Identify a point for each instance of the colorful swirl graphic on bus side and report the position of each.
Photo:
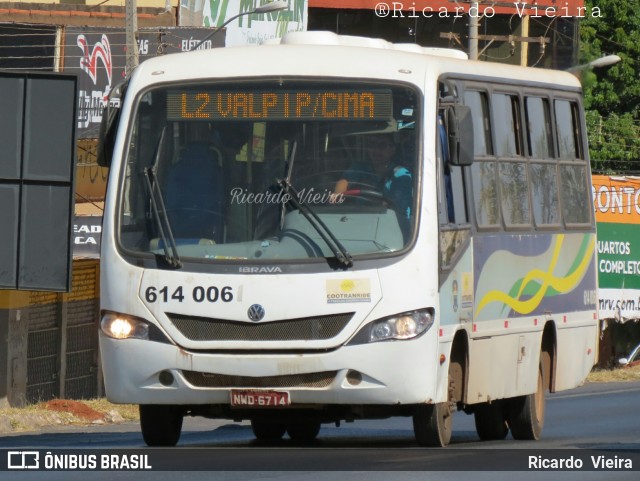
(537, 284)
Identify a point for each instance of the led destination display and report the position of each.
(280, 105)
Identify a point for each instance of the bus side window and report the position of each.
(447, 214)
(458, 190)
(453, 202)
(453, 217)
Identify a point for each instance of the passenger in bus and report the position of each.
(383, 172)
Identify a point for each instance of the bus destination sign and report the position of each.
(280, 105)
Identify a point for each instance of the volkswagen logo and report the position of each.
(256, 312)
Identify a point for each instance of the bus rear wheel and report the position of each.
(491, 421)
(526, 413)
(432, 424)
(161, 425)
(304, 431)
(265, 430)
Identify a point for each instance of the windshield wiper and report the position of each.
(160, 213)
(339, 251)
(162, 220)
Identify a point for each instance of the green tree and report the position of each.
(612, 94)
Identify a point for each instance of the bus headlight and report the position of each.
(403, 326)
(120, 326)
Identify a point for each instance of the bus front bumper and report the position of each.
(384, 373)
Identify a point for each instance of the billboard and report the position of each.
(245, 29)
(37, 165)
(27, 47)
(97, 55)
(617, 207)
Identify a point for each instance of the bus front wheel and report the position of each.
(304, 431)
(432, 424)
(161, 425)
(266, 430)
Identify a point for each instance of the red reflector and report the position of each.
(506, 323)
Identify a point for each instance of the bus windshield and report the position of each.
(282, 169)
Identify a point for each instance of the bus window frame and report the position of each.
(523, 89)
(547, 104)
(314, 265)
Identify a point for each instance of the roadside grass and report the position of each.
(128, 411)
(619, 374)
(63, 412)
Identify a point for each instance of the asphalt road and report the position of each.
(596, 419)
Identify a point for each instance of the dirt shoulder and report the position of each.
(99, 411)
(65, 412)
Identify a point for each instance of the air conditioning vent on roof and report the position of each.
(331, 38)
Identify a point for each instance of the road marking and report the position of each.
(593, 393)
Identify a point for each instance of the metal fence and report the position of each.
(62, 342)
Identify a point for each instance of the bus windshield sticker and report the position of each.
(348, 290)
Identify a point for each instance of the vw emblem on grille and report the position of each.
(256, 312)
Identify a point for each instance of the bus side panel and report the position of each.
(456, 307)
(503, 366)
(577, 350)
(496, 366)
(523, 282)
(538, 276)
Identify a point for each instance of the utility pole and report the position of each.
(524, 49)
(131, 29)
(474, 23)
(475, 37)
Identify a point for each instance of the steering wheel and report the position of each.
(365, 192)
(368, 194)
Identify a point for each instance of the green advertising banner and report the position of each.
(617, 208)
(618, 256)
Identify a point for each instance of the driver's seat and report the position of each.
(194, 195)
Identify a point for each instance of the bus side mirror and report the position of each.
(106, 137)
(109, 126)
(460, 131)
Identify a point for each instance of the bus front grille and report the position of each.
(312, 380)
(302, 329)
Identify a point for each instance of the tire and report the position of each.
(267, 430)
(432, 424)
(304, 431)
(526, 413)
(491, 421)
(161, 425)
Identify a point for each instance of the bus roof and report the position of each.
(326, 54)
(330, 38)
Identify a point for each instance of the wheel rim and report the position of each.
(446, 418)
(539, 400)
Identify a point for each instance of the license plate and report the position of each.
(259, 399)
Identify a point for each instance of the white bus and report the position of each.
(238, 283)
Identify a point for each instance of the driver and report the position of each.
(383, 173)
